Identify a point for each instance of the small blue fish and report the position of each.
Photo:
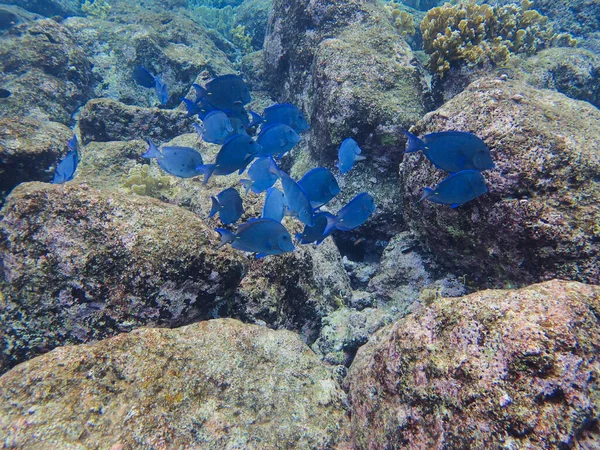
(317, 233)
(161, 90)
(275, 204)
(354, 214)
(225, 92)
(143, 77)
(177, 161)
(262, 175)
(277, 139)
(288, 114)
(348, 154)
(5, 93)
(452, 150)
(228, 204)
(235, 154)
(457, 189)
(264, 236)
(298, 202)
(67, 167)
(217, 127)
(320, 185)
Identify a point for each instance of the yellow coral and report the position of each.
(98, 8)
(403, 21)
(468, 33)
(141, 181)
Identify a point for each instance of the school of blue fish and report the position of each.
(220, 105)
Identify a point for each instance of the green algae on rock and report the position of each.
(539, 219)
(213, 385)
(494, 369)
(79, 264)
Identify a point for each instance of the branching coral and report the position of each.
(142, 182)
(403, 21)
(97, 8)
(241, 39)
(468, 33)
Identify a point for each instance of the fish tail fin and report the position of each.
(427, 192)
(257, 119)
(226, 236)
(199, 129)
(298, 237)
(206, 170)
(331, 222)
(247, 185)
(216, 206)
(414, 144)
(191, 107)
(274, 168)
(153, 151)
(359, 158)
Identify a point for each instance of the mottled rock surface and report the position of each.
(109, 120)
(47, 72)
(214, 385)
(29, 149)
(49, 8)
(80, 264)
(540, 218)
(495, 369)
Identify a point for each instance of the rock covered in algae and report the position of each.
(494, 369)
(29, 148)
(105, 120)
(540, 218)
(79, 264)
(214, 385)
(47, 72)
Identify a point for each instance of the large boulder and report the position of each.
(494, 369)
(46, 71)
(49, 8)
(540, 218)
(80, 264)
(106, 120)
(214, 385)
(29, 148)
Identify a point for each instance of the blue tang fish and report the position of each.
(288, 114)
(262, 175)
(262, 236)
(225, 91)
(452, 150)
(144, 78)
(67, 167)
(228, 204)
(298, 203)
(348, 154)
(217, 127)
(320, 185)
(317, 233)
(457, 189)
(275, 204)
(177, 161)
(235, 154)
(160, 87)
(354, 214)
(277, 139)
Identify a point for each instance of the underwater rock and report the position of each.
(29, 148)
(494, 369)
(46, 71)
(108, 120)
(571, 71)
(177, 50)
(80, 264)
(11, 16)
(540, 218)
(215, 384)
(49, 8)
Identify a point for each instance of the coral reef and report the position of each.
(403, 20)
(98, 9)
(142, 181)
(215, 385)
(495, 369)
(539, 219)
(472, 34)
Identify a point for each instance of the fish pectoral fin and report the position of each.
(261, 255)
(269, 244)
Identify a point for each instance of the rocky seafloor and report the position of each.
(123, 326)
